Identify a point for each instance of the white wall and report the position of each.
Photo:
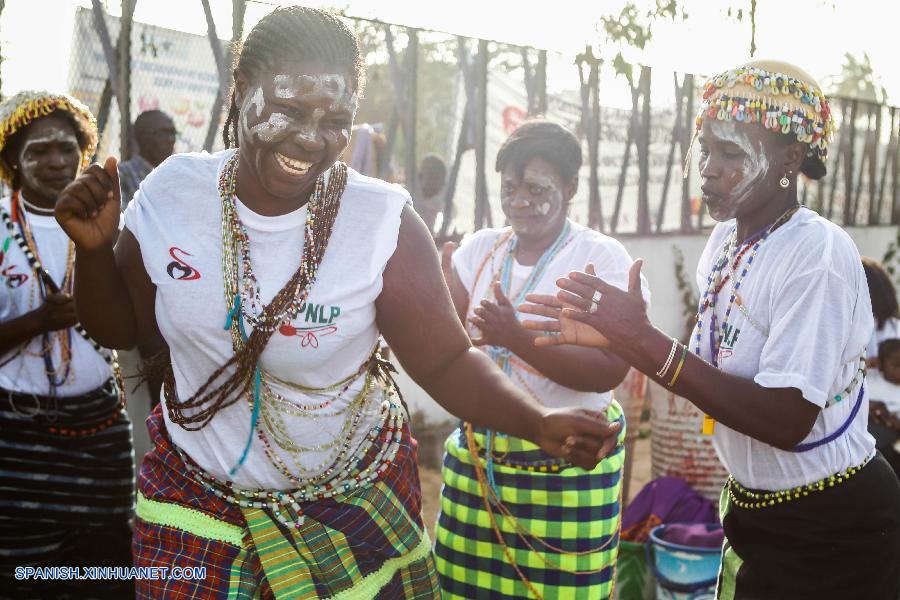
(665, 304)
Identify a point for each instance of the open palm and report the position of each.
(560, 329)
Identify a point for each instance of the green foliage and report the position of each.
(634, 28)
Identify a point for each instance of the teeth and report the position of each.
(293, 166)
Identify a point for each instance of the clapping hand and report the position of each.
(588, 311)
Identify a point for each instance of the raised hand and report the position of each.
(497, 321)
(88, 209)
(580, 436)
(620, 316)
(561, 328)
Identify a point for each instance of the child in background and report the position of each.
(884, 402)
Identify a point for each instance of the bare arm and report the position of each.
(780, 417)
(417, 317)
(57, 312)
(115, 294)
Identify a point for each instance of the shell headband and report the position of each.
(23, 108)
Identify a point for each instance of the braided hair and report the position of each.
(294, 33)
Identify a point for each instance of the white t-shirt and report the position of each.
(807, 291)
(20, 294)
(583, 246)
(176, 219)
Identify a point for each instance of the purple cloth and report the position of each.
(695, 535)
(665, 500)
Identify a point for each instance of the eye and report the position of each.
(536, 190)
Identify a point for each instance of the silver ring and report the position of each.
(595, 301)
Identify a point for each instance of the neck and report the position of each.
(33, 200)
(255, 197)
(529, 250)
(752, 223)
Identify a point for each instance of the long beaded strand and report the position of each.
(711, 293)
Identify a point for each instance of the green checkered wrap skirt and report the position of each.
(571, 509)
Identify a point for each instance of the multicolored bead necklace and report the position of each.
(286, 504)
(502, 355)
(20, 230)
(713, 287)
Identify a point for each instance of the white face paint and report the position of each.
(254, 100)
(29, 161)
(535, 202)
(269, 130)
(754, 169)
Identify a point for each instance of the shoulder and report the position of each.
(482, 240)
(815, 243)
(177, 189)
(361, 188)
(600, 247)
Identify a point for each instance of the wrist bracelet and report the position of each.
(665, 368)
(680, 365)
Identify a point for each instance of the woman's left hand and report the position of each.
(497, 321)
(580, 436)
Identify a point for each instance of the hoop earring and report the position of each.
(784, 181)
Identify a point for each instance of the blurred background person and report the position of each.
(154, 135)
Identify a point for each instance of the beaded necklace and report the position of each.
(57, 376)
(714, 286)
(285, 504)
(30, 252)
(502, 356)
(241, 286)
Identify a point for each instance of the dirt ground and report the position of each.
(431, 482)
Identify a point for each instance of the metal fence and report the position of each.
(459, 97)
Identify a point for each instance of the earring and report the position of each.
(784, 181)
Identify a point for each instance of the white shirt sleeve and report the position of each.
(812, 315)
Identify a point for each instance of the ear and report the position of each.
(240, 87)
(792, 156)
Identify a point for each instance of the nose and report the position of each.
(57, 160)
(709, 167)
(519, 201)
(306, 135)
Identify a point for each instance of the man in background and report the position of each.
(429, 202)
(154, 133)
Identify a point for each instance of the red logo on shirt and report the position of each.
(13, 280)
(309, 337)
(180, 270)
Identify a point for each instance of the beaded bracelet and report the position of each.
(680, 365)
(665, 368)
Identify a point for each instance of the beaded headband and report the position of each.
(777, 101)
(20, 110)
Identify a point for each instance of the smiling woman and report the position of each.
(66, 460)
(282, 456)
